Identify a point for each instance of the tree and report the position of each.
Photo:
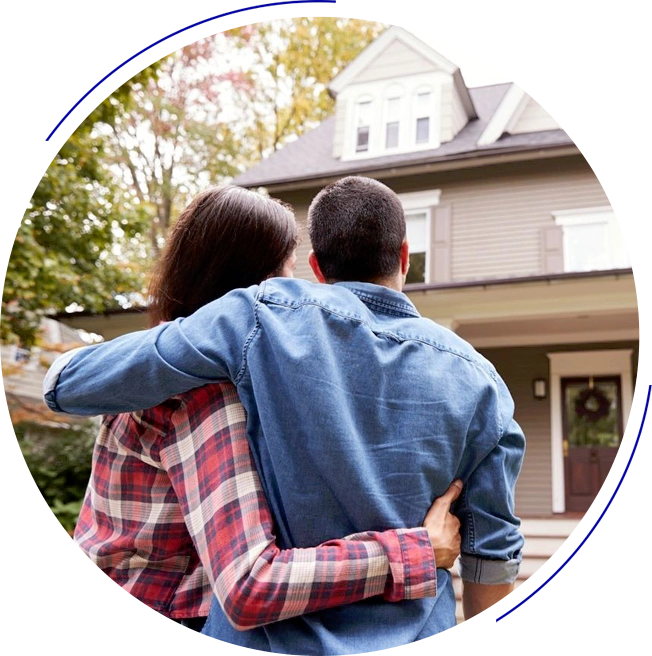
(65, 250)
(284, 73)
(222, 103)
(101, 213)
(172, 139)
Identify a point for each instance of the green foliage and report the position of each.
(101, 212)
(171, 139)
(66, 247)
(218, 105)
(60, 462)
(287, 67)
(67, 513)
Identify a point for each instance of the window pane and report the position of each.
(423, 104)
(393, 109)
(423, 130)
(362, 142)
(391, 135)
(417, 270)
(417, 233)
(589, 423)
(618, 256)
(416, 224)
(593, 241)
(586, 247)
(364, 113)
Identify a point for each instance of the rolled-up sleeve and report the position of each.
(52, 378)
(491, 540)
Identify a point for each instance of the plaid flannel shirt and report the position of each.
(175, 512)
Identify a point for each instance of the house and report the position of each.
(513, 245)
(23, 371)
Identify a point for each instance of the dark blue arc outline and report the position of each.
(629, 462)
(183, 29)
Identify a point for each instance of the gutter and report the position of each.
(549, 278)
(468, 160)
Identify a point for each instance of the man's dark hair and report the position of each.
(357, 226)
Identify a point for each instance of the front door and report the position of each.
(592, 425)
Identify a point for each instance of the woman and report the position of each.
(175, 510)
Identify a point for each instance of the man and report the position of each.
(359, 413)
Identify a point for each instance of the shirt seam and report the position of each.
(391, 334)
(251, 336)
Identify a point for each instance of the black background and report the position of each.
(577, 67)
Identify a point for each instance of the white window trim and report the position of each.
(378, 92)
(431, 116)
(366, 98)
(589, 216)
(428, 212)
(423, 201)
(393, 91)
(418, 200)
(615, 362)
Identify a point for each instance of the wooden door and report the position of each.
(592, 429)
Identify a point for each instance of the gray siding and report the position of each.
(453, 116)
(518, 366)
(497, 222)
(498, 213)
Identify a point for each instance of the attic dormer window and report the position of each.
(379, 118)
(423, 110)
(363, 124)
(392, 122)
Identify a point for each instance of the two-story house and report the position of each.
(513, 245)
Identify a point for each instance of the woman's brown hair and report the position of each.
(226, 238)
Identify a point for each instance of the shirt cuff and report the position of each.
(413, 572)
(488, 572)
(52, 378)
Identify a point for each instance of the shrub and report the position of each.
(59, 459)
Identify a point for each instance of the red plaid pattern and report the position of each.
(175, 512)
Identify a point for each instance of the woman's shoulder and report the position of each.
(197, 403)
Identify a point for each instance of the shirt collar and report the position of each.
(381, 298)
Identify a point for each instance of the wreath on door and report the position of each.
(592, 404)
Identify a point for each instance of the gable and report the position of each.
(397, 60)
(532, 118)
(517, 113)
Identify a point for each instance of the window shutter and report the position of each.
(440, 261)
(552, 249)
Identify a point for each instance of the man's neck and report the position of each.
(395, 282)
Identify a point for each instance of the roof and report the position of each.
(382, 43)
(311, 156)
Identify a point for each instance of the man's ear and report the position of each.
(316, 269)
(405, 257)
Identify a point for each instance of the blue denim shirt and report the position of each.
(360, 413)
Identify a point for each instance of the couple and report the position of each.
(358, 414)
